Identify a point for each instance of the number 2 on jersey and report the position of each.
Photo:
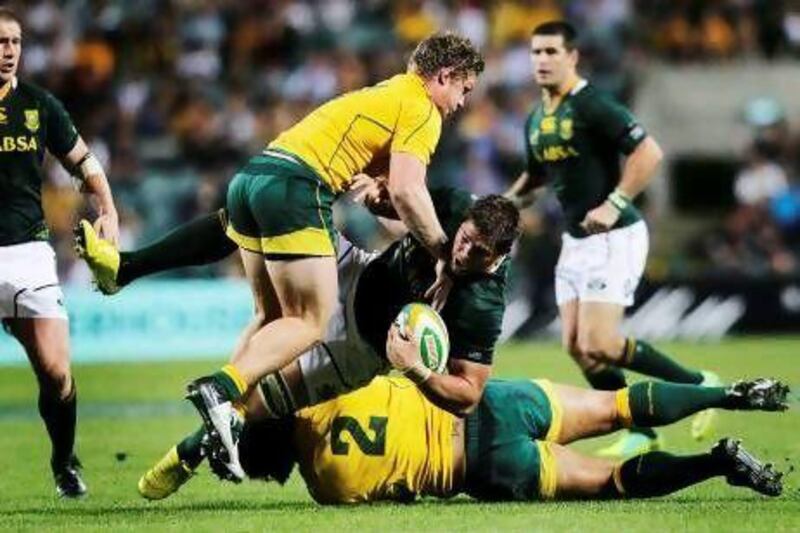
(367, 445)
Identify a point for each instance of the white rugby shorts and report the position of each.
(29, 283)
(605, 267)
(343, 361)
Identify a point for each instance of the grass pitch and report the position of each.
(130, 414)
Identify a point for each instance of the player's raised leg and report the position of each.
(46, 342)
(201, 241)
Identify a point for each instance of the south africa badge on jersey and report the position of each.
(565, 129)
(32, 120)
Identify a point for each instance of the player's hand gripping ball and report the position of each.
(429, 331)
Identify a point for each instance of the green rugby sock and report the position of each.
(200, 242)
(189, 450)
(660, 473)
(612, 378)
(658, 404)
(641, 357)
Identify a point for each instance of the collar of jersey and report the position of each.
(6, 90)
(572, 91)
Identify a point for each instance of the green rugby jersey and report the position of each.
(31, 120)
(401, 274)
(576, 150)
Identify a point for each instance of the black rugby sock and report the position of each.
(200, 242)
(60, 419)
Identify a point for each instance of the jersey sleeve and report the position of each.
(613, 121)
(419, 126)
(474, 317)
(61, 132)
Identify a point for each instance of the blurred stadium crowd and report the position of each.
(173, 95)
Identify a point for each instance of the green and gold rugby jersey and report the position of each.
(576, 150)
(401, 274)
(31, 120)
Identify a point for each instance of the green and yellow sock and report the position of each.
(641, 357)
(231, 380)
(655, 404)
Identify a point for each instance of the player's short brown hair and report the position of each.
(446, 50)
(7, 14)
(559, 27)
(497, 220)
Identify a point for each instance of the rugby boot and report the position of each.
(630, 444)
(101, 256)
(68, 480)
(745, 470)
(761, 394)
(165, 477)
(223, 424)
(703, 422)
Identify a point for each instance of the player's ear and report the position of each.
(444, 74)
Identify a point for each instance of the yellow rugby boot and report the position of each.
(630, 444)
(165, 477)
(703, 422)
(101, 256)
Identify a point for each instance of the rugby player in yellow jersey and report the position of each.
(386, 441)
(279, 208)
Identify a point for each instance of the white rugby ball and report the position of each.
(430, 332)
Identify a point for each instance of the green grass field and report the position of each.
(130, 415)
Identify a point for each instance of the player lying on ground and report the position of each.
(372, 290)
(386, 441)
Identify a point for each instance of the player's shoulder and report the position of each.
(588, 97)
(35, 91)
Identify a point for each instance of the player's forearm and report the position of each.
(454, 394)
(97, 185)
(639, 168)
(415, 208)
(523, 191)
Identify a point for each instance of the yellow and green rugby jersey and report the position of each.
(382, 442)
(576, 149)
(362, 128)
(31, 121)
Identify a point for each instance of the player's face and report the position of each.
(449, 93)
(10, 49)
(552, 63)
(471, 253)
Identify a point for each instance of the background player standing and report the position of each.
(31, 302)
(574, 140)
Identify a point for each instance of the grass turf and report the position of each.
(130, 414)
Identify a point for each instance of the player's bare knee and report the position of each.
(600, 347)
(55, 380)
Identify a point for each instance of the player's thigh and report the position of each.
(578, 475)
(599, 326)
(584, 412)
(46, 343)
(306, 288)
(264, 296)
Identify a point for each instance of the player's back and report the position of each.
(342, 137)
(382, 442)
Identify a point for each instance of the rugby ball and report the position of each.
(430, 332)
